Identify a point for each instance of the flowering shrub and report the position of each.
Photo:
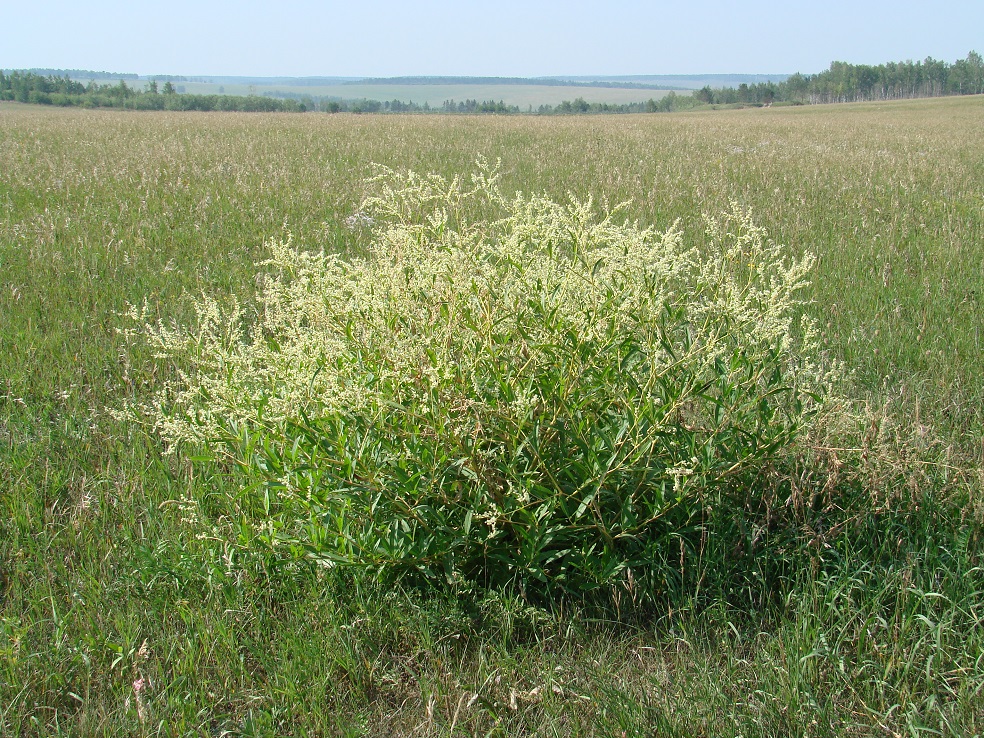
(539, 398)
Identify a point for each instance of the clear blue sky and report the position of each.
(505, 38)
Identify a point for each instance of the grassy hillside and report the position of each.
(121, 616)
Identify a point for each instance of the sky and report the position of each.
(509, 38)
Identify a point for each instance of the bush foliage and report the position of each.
(505, 391)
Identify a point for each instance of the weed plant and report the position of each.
(542, 400)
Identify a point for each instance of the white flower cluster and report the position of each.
(464, 298)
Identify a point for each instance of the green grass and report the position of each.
(101, 584)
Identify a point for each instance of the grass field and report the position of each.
(115, 619)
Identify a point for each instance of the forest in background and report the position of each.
(28, 87)
(844, 82)
(841, 82)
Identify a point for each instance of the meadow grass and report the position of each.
(116, 619)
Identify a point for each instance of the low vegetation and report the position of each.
(227, 362)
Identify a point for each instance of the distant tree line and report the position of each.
(666, 104)
(360, 105)
(82, 74)
(474, 107)
(670, 102)
(365, 105)
(844, 82)
(40, 89)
